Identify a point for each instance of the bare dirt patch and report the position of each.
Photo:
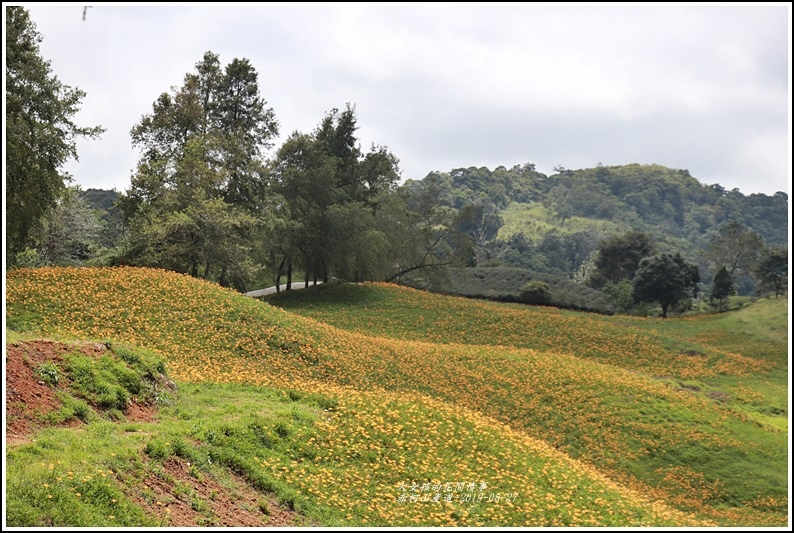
(29, 398)
(181, 498)
(719, 396)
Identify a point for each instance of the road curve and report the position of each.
(283, 287)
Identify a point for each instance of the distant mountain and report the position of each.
(100, 199)
(521, 218)
(668, 203)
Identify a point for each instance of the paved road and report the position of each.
(271, 290)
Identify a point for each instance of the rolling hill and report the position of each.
(586, 419)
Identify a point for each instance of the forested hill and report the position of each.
(668, 203)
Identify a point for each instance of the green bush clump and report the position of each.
(49, 374)
(535, 292)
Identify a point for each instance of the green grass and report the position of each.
(616, 393)
(66, 478)
(730, 343)
(534, 221)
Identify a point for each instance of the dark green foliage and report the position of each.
(535, 292)
(563, 254)
(504, 284)
(673, 208)
(722, 287)
(772, 269)
(40, 134)
(461, 186)
(111, 219)
(620, 294)
(333, 192)
(68, 233)
(481, 222)
(667, 279)
(198, 198)
(618, 257)
(100, 199)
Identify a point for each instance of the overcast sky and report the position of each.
(443, 86)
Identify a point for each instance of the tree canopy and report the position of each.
(619, 257)
(40, 132)
(772, 269)
(721, 287)
(667, 279)
(332, 191)
(197, 198)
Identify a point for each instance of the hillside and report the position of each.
(668, 202)
(640, 423)
(551, 224)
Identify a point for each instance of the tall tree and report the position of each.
(618, 257)
(40, 133)
(722, 287)
(772, 269)
(736, 246)
(304, 175)
(331, 189)
(665, 278)
(68, 233)
(481, 222)
(199, 192)
(427, 235)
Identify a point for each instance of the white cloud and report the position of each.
(444, 86)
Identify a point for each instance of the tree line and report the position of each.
(205, 199)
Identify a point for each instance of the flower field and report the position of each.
(585, 419)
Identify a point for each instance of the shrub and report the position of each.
(535, 292)
(49, 374)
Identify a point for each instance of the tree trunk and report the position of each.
(289, 273)
(278, 274)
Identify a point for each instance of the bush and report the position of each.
(535, 292)
(49, 374)
(620, 294)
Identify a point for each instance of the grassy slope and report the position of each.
(678, 447)
(534, 221)
(741, 359)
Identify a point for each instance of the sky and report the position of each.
(705, 88)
